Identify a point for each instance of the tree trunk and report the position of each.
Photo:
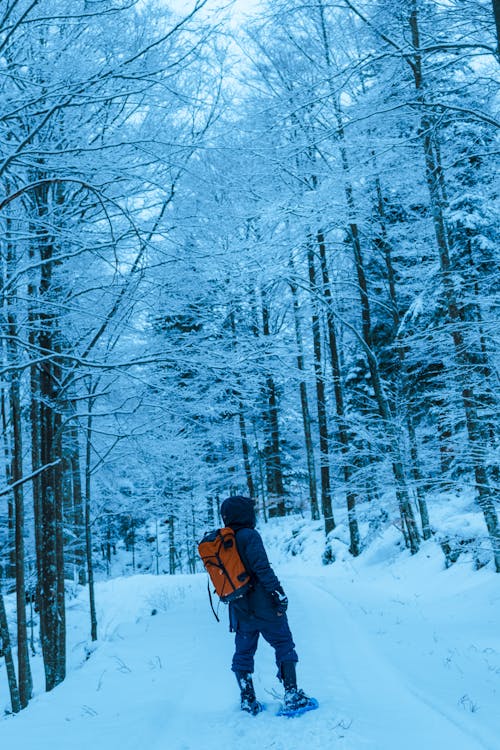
(88, 522)
(245, 447)
(36, 451)
(16, 472)
(496, 13)
(326, 492)
(6, 652)
(10, 569)
(65, 477)
(78, 504)
(339, 401)
(51, 564)
(6, 344)
(171, 545)
(262, 482)
(304, 402)
(24, 671)
(274, 469)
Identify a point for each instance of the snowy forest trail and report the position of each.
(358, 680)
(162, 681)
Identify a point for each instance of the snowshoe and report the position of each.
(296, 703)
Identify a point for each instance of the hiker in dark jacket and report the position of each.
(261, 611)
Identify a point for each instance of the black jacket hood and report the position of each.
(238, 512)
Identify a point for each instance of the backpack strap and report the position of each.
(211, 601)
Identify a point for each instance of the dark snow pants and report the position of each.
(277, 633)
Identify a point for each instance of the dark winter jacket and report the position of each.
(239, 514)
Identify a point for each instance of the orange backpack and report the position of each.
(223, 563)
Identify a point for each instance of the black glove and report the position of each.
(280, 601)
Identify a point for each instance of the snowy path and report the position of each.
(163, 682)
(386, 711)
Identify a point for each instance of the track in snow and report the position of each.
(164, 683)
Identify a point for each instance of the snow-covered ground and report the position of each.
(400, 653)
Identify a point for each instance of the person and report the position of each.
(261, 611)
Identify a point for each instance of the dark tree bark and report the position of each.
(245, 446)
(10, 570)
(25, 682)
(88, 522)
(245, 449)
(324, 447)
(342, 431)
(171, 545)
(274, 469)
(35, 426)
(304, 401)
(6, 652)
(78, 503)
(7, 353)
(496, 13)
(262, 483)
(49, 511)
(24, 671)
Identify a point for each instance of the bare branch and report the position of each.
(31, 476)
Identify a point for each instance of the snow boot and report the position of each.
(249, 702)
(295, 699)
